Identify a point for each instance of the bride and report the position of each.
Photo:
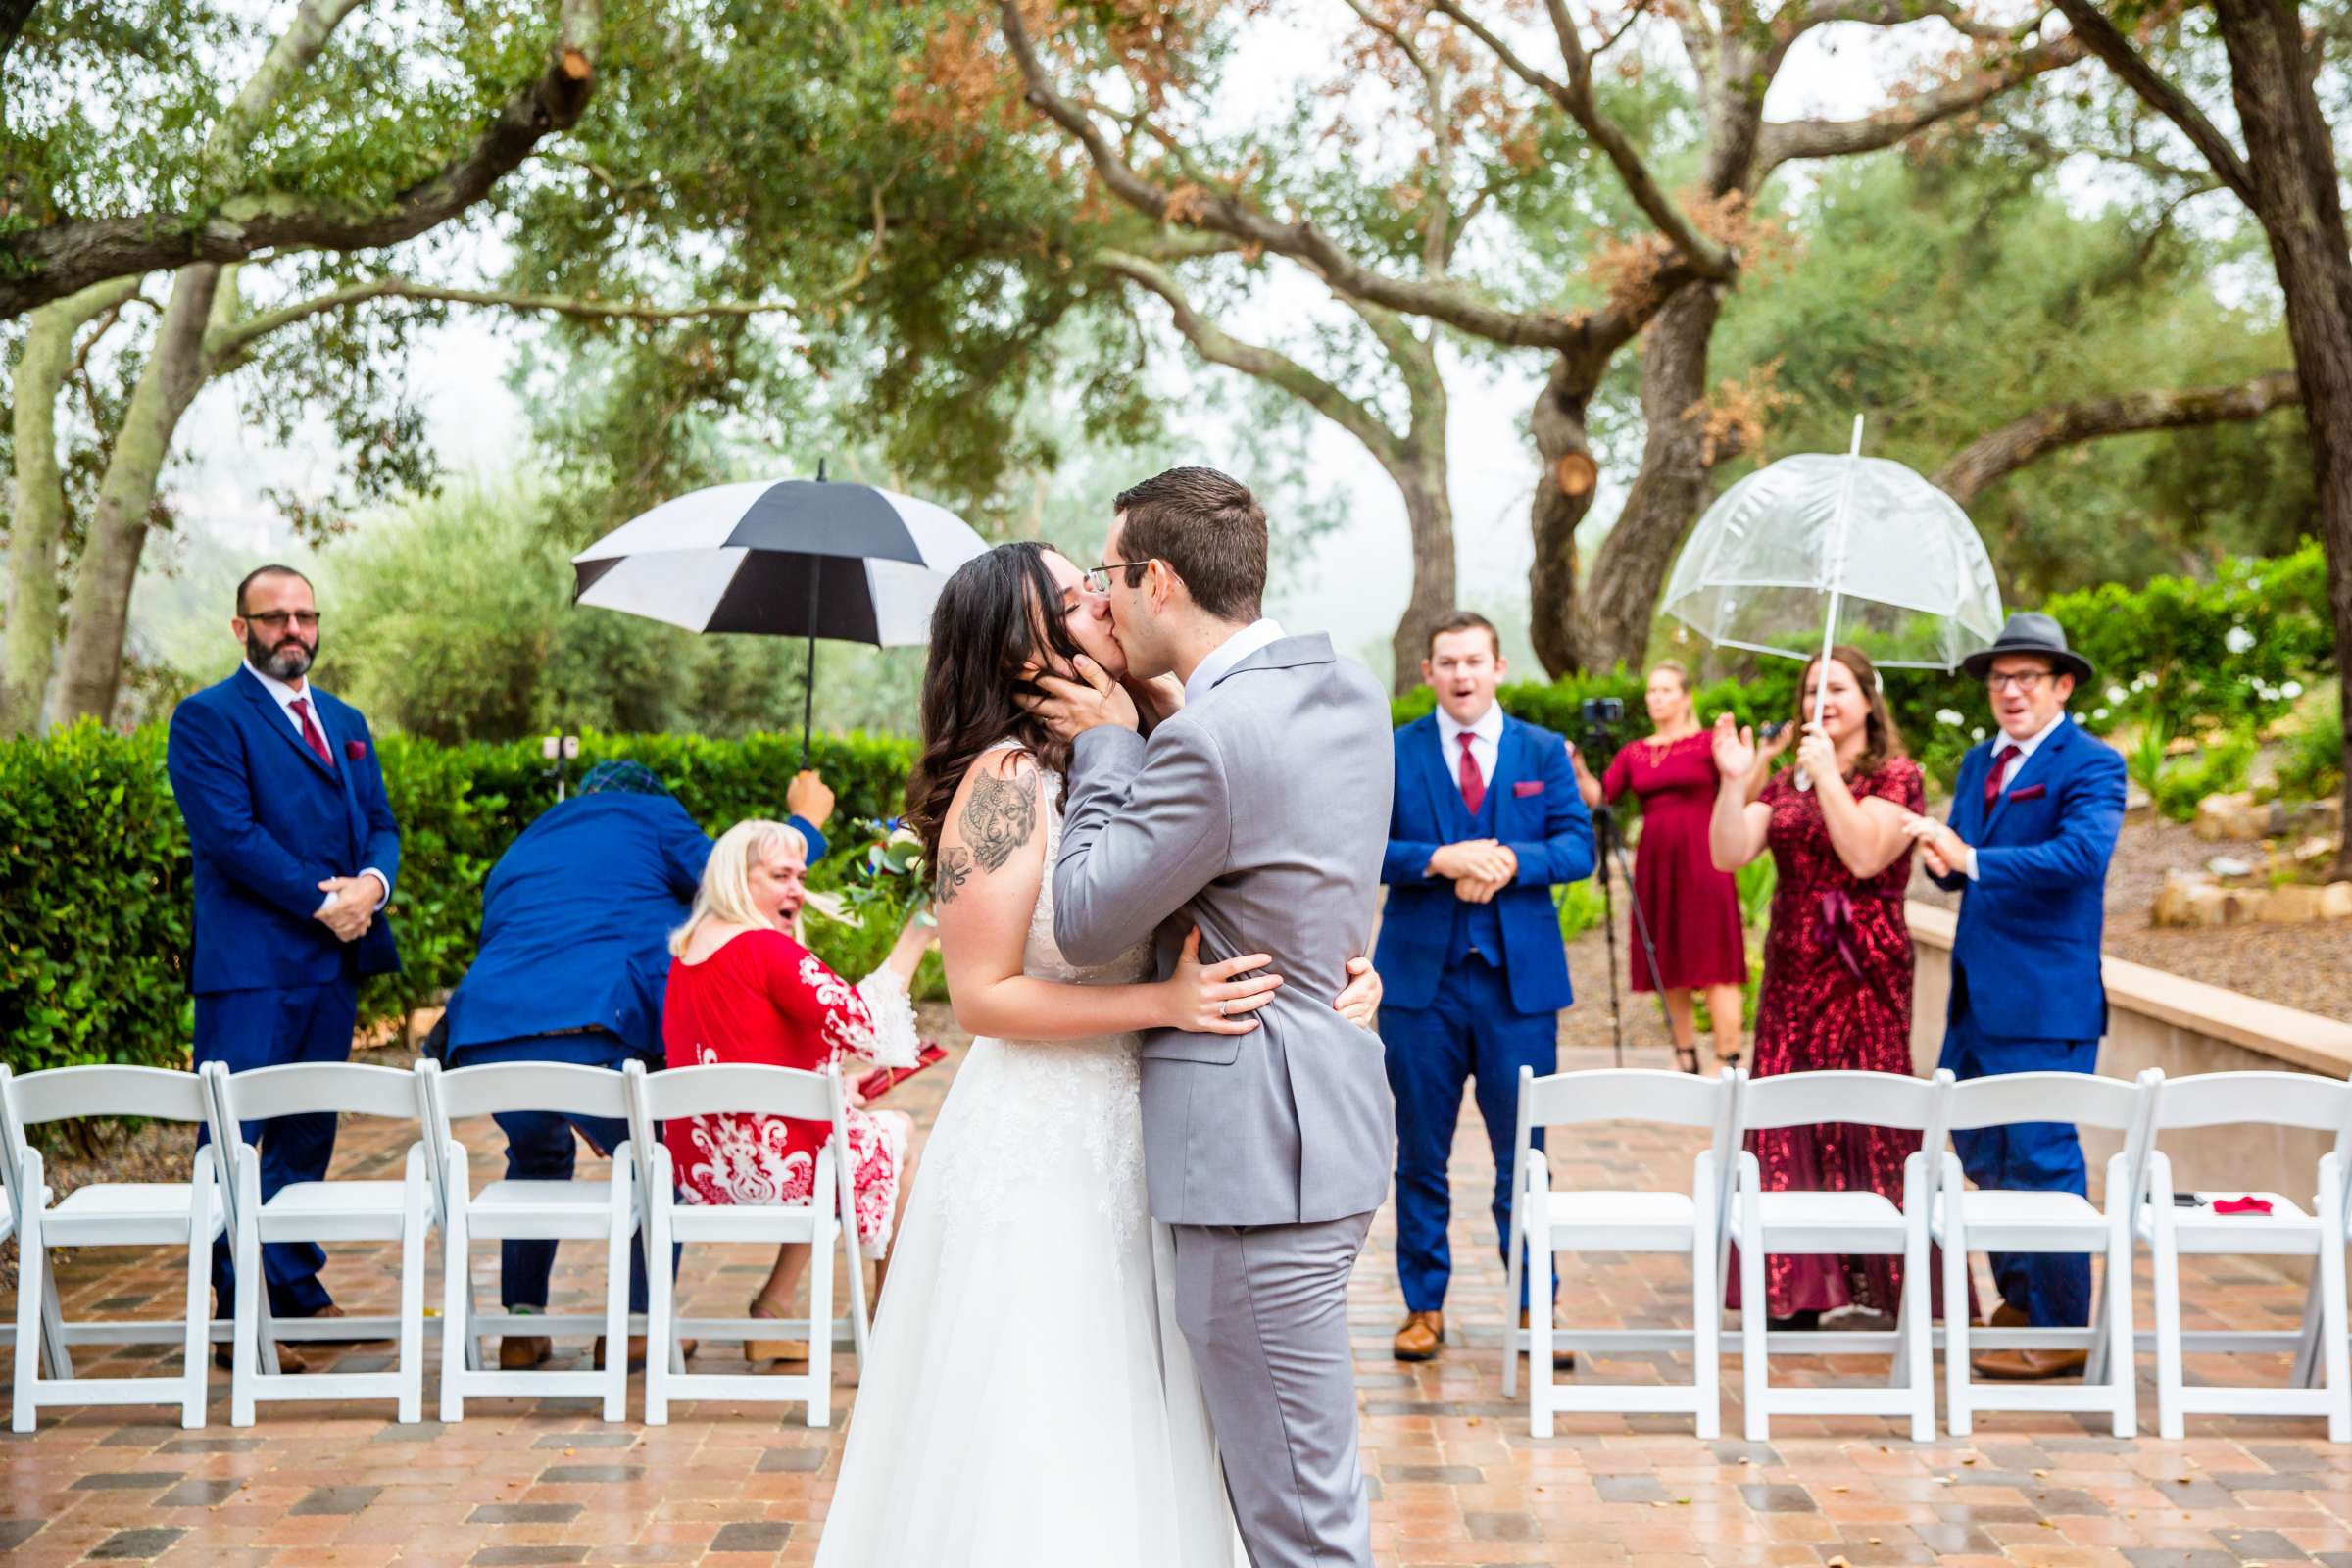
(1028, 1401)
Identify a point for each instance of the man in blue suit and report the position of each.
(2035, 819)
(1487, 819)
(572, 966)
(295, 855)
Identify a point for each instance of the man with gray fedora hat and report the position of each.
(2035, 819)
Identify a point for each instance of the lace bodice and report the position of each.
(1018, 1105)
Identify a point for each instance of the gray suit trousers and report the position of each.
(1264, 1309)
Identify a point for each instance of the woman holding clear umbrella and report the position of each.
(1837, 990)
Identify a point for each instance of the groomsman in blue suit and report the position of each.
(295, 855)
(1487, 819)
(2035, 819)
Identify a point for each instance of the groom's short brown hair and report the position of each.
(1210, 528)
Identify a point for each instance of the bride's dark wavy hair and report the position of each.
(999, 615)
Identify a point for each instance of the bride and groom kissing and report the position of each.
(1158, 825)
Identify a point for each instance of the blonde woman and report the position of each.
(742, 988)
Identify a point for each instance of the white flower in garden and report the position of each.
(1949, 718)
(1978, 733)
(2237, 640)
(2098, 716)
(2115, 694)
(2291, 690)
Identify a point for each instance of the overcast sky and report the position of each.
(1354, 585)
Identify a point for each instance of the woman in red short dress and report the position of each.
(1837, 990)
(743, 989)
(1691, 909)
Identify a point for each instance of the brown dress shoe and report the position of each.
(2029, 1366)
(522, 1353)
(289, 1359)
(1419, 1339)
(1562, 1361)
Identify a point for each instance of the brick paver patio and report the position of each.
(1455, 1478)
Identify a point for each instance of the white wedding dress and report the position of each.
(1028, 1401)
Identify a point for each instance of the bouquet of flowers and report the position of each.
(888, 878)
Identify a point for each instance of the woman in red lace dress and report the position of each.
(743, 989)
(1691, 909)
(1837, 989)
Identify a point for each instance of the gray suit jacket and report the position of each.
(1260, 813)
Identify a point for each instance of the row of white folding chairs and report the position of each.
(1727, 1205)
(222, 1197)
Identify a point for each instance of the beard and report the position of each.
(292, 659)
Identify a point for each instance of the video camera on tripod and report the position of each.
(1602, 719)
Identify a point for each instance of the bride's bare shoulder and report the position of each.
(993, 818)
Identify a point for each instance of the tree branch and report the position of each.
(1220, 347)
(47, 262)
(1997, 454)
(1895, 13)
(14, 13)
(1782, 141)
(2099, 36)
(1441, 300)
(225, 346)
(1574, 97)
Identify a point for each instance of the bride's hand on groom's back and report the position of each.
(1216, 998)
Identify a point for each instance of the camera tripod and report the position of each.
(1608, 843)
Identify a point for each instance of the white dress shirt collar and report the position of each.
(2025, 747)
(1222, 660)
(1488, 727)
(284, 695)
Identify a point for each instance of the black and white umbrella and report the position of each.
(783, 557)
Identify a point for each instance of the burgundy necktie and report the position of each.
(1474, 788)
(309, 730)
(2000, 771)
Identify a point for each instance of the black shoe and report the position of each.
(1804, 1321)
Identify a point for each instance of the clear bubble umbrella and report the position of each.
(1818, 549)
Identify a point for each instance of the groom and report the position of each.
(1260, 813)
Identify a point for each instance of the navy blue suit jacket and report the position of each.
(2032, 920)
(1538, 813)
(576, 917)
(267, 821)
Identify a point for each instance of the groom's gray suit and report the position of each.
(1259, 813)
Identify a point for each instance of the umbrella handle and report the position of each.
(1841, 523)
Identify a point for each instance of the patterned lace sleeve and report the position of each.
(811, 995)
(894, 1043)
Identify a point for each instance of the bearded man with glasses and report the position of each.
(295, 855)
(2034, 824)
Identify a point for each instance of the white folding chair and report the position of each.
(1998, 1220)
(1545, 1221)
(323, 1211)
(189, 1213)
(826, 1220)
(2268, 1098)
(554, 1210)
(1847, 1222)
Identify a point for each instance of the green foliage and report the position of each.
(1757, 881)
(2314, 766)
(2222, 764)
(2144, 761)
(95, 908)
(1580, 907)
(94, 903)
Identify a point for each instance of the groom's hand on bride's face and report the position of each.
(1071, 707)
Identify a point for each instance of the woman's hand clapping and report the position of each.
(1735, 747)
(1209, 1000)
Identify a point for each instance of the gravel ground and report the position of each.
(2307, 967)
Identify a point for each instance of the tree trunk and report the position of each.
(2290, 155)
(1613, 623)
(40, 502)
(1565, 483)
(1429, 510)
(100, 618)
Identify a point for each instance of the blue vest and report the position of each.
(1478, 927)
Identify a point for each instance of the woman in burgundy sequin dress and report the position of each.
(1691, 911)
(1837, 990)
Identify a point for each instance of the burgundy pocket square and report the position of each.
(2032, 792)
(354, 750)
(1526, 787)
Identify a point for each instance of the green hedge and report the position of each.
(94, 869)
